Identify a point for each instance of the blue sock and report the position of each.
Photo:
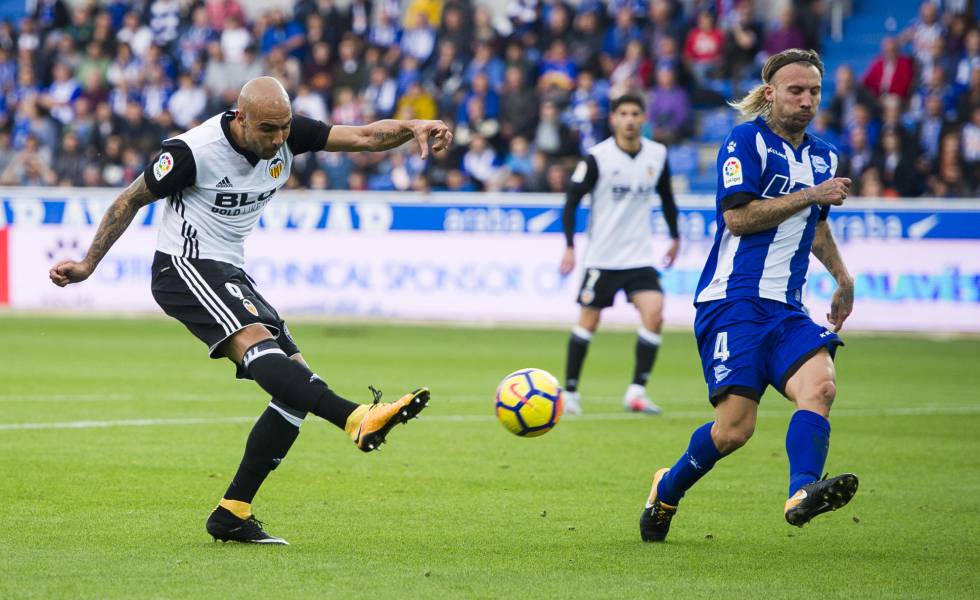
(701, 455)
(807, 442)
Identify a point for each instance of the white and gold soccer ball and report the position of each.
(529, 402)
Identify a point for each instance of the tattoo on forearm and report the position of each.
(117, 218)
(825, 249)
(390, 134)
(761, 215)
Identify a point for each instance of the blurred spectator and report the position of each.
(669, 111)
(557, 178)
(483, 30)
(124, 67)
(553, 137)
(896, 165)
(931, 127)
(857, 154)
(70, 161)
(621, 33)
(164, 21)
(419, 40)
(587, 43)
(661, 24)
(846, 96)
(476, 122)
(519, 158)
(890, 72)
(195, 37)
(479, 162)
(134, 34)
(518, 106)
(60, 95)
(704, 46)
(349, 71)
(29, 167)
(742, 45)
(188, 103)
(971, 98)
(484, 62)
(222, 12)
(558, 73)
(234, 39)
(787, 36)
(633, 73)
(970, 59)
(346, 110)
(447, 75)
(923, 31)
(869, 184)
(971, 148)
(280, 34)
(416, 103)
(949, 179)
(380, 93)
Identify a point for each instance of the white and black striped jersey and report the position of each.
(623, 187)
(216, 190)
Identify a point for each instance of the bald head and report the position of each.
(264, 116)
(263, 94)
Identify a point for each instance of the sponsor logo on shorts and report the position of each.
(250, 307)
(586, 297)
(234, 290)
(721, 372)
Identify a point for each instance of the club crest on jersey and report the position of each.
(250, 307)
(732, 172)
(275, 167)
(163, 165)
(819, 164)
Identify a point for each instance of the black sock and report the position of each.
(578, 346)
(647, 344)
(293, 384)
(271, 437)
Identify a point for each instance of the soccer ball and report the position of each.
(529, 402)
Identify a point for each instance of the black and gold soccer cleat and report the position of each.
(655, 520)
(370, 423)
(819, 497)
(225, 526)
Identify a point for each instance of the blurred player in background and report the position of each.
(217, 178)
(775, 187)
(623, 174)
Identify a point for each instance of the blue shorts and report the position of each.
(747, 344)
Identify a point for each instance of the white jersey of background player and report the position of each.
(624, 176)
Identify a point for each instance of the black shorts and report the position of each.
(214, 299)
(599, 286)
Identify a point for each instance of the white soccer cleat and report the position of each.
(572, 403)
(636, 400)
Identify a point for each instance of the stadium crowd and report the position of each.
(88, 92)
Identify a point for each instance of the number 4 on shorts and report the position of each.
(721, 346)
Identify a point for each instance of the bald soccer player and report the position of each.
(217, 178)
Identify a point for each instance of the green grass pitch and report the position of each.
(456, 507)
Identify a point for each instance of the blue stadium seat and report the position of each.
(683, 160)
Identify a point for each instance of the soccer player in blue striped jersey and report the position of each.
(776, 184)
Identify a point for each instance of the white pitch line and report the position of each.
(618, 416)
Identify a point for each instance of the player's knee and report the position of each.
(824, 393)
(730, 438)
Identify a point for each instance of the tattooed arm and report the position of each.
(387, 134)
(760, 215)
(825, 249)
(115, 221)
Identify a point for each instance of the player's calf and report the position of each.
(294, 384)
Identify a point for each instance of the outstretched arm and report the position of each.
(387, 134)
(115, 221)
(825, 249)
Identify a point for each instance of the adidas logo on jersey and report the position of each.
(224, 183)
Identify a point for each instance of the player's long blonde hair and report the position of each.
(754, 103)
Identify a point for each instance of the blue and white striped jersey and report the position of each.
(755, 163)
